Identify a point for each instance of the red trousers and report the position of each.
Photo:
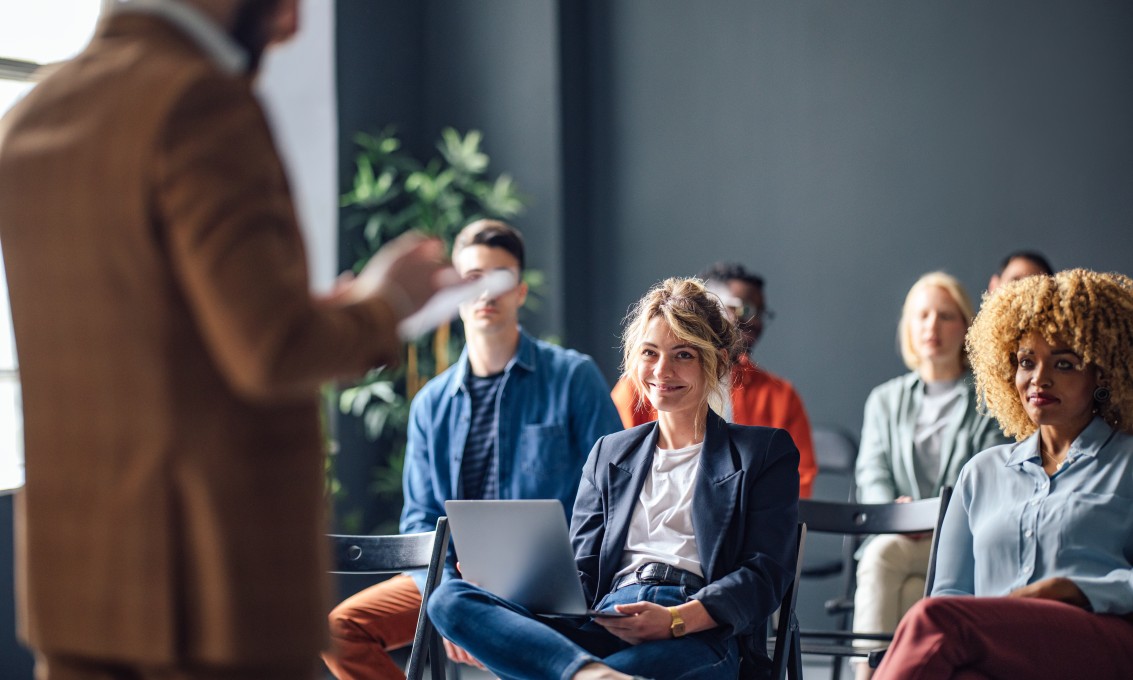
(366, 625)
(974, 638)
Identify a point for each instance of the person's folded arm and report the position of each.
(1108, 594)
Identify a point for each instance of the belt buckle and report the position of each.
(659, 573)
(648, 580)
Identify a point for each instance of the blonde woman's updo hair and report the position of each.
(949, 284)
(1090, 312)
(697, 317)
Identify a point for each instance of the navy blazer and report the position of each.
(744, 513)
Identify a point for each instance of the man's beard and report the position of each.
(254, 28)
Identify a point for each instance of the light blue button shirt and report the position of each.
(1008, 524)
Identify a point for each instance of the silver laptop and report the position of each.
(520, 551)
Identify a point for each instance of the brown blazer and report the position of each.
(170, 353)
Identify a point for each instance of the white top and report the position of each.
(661, 527)
(940, 407)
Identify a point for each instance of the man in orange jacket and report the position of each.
(758, 396)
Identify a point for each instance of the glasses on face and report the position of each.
(748, 313)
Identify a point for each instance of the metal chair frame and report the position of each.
(395, 554)
(856, 520)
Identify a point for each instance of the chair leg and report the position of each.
(795, 664)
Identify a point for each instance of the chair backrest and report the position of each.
(381, 554)
(787, 630)
(397, 553)
(930, 575)
(869, 518)
(835, 451)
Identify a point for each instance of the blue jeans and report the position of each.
(516, 645)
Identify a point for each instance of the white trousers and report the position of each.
(891, 578)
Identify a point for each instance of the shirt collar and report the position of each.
(524, 358)
(1091, 440)
(225, 52)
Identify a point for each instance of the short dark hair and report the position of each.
(727, 271)
(1032, 256)
(494, 234)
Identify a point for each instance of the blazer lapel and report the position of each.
(716, 498)
(627, 476)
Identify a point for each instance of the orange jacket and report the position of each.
(758, 398)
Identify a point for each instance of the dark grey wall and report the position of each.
(842, 149)
(492, 66)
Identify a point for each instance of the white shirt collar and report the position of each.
(225, 52)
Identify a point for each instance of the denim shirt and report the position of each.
(1009, 524)
(552, 406)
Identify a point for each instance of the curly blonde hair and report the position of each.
(697, 317)
(1089, 311)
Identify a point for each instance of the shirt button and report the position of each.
(1026, 570)
(1035, 502)
(1044, 485)
(1028, 533)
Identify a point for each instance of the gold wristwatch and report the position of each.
(677, 628)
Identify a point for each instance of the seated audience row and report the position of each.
(514, 418)
(1041, 530)
(500, 423)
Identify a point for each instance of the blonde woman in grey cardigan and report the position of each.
(918, 431)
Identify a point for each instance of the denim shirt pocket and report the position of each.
(545, 460)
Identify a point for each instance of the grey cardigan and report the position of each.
(885, 467)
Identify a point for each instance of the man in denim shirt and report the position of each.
(515, 417)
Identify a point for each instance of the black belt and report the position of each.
(656, 573)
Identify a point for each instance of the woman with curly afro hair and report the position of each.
(1040, 531)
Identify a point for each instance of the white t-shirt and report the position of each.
(661, 528)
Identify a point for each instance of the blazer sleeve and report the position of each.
(874, 468)
(746, 596)
(588, 523)
(227, 221)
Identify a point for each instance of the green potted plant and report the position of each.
(393, 192)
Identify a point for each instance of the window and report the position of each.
(31, 34)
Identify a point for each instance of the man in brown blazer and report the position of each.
(171, 524)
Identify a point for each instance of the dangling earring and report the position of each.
(1101, 395)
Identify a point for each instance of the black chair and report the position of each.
(859, 520)
(828, 555)
(395, 554)
(785, 663)
(835, 452)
